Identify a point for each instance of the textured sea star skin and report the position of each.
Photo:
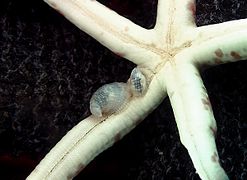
(171, 55)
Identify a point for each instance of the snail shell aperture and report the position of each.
(138, 83)
(109, 98)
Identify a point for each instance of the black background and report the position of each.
(49, 70)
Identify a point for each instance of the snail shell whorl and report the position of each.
(109, 98)
(138, 83)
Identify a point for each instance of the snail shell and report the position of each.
(138, 83)
(112, 97)
(109, 99)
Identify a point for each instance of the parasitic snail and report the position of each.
(138, 83)
(110, 98)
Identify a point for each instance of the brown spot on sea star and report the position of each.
(235, 55)
(117, 137)
(79, 169)
(214, 130)
(192, 8)
(119, 54)
(206, 103)
(53, 5)
(137, 122)
(59, 12)
(214, 157)
(219, 53)
(218, 61)
(126, 28)
(204, 89)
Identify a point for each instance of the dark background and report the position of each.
(49, 70)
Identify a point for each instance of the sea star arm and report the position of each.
(170, 13)
(216, 30)
(219, 43)
(194, 118)
(115, 32)
(223, 49)
(93, 135)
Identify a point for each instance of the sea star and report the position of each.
(170, 55)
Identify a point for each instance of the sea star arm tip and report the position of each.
(112, 30)
(195, 120)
